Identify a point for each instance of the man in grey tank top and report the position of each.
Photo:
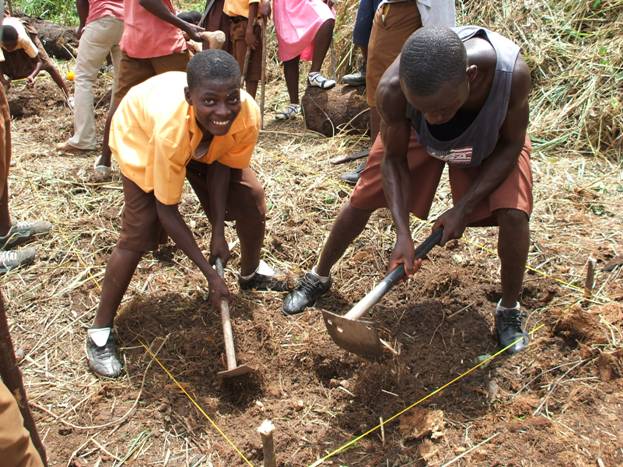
(458, 97)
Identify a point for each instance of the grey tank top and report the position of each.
(478, 141)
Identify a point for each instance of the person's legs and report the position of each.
(291, 73)
(322, 42)
(513, 245)
(95, 44)
(140, 231)
(391, 26)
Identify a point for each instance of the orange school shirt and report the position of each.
(238, 7)
(154, 135)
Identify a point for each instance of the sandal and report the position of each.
(289, 112)
(315, 79)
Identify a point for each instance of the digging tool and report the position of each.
(350, 157)
(263, 75)
(245, 66)
(233, 369)
(361, 337)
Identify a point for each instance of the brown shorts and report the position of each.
(393, 24)
(425, 172)
(237, 32)
(141, 229)
(133, 71)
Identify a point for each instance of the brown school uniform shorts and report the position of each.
(425, 172)
(393, 23)
(133, 71)
(141, 229)
(237, 32)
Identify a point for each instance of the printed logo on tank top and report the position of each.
(456, 156)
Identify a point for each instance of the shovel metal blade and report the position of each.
(359, 337)
(234, 372)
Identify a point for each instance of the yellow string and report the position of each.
(196, 404)
(428, 396)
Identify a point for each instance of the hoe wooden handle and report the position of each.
(228, 334)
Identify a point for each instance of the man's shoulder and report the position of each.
(390, 100)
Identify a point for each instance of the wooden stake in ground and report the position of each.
(266, 432)
(263, 75)
(12, 378)
(589, 282)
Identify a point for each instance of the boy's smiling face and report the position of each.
(216, 104)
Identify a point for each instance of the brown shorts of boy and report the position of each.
(237, 31)
(15, 443)
(425, 172)
(140, 228)
(133, 71)
(393, 23)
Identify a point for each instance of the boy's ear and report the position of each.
(187, 95)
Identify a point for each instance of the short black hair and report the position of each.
(192, 16)
(431, 57)
(213, 65)
(9, 34)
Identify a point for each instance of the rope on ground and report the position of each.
(355, 440)
(196, 404)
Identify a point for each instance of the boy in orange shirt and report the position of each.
(197, 125)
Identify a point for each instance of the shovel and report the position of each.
(361, 337)
(233, 369)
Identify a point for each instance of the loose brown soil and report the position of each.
(558, 403)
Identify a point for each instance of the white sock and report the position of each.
(323, 279)
(99, 335)
(500, 307)
(262, 268)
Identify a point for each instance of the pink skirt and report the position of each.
(296, 25)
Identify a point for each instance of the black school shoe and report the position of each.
(353, 177)
(509, 329)
(104, 361)
(308, 290)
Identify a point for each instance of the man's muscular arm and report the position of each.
(498, 166)
(395, 131)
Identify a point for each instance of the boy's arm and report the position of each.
(218, 188)
(35, 71)
(179, 232)
(395, 133)
(159, 9)
(82, 6)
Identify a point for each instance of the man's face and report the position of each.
(216, 104)
(442, 106)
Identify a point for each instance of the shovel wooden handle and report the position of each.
(392, 278)
(228, 333)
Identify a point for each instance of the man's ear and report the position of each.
(187, 95)
(472, 73)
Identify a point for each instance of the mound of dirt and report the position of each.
(342, 108)
(577, 325)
